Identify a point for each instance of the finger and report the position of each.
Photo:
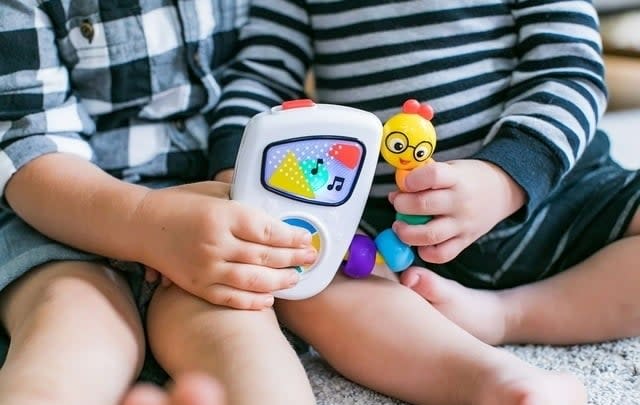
(261, 228)
(274, 257)
(215, 189)
(196, 389)
(254, 278)
(225, 176)
(165, 282)
(434, 232)
(434, 175)
(392, 196)
(227, 296)
(443, 252)
(151, 275)
(430, 202)
(146, 394)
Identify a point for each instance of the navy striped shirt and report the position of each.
(515, 82)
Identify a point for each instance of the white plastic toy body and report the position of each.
(311, 165)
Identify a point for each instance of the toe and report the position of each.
(410, 277)
(424, 282)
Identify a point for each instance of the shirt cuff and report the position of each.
(531, 163)
(223, 149)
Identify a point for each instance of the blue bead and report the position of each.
(397, 255)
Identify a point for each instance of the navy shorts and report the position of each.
(591, 208)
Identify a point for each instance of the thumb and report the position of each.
(211, 188)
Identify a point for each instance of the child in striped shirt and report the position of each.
(529, 210)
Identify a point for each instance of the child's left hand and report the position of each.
(466, 199)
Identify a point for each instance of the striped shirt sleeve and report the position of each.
(553, 97)
(557, 95)
(273, 59)
(38, 113)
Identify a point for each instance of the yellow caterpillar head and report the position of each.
(409, 138)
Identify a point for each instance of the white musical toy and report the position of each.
(312, 166)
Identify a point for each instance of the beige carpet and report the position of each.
(611, 371)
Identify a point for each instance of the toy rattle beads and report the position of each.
(408, 142)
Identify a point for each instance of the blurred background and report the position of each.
(620, 22)
(620, 26)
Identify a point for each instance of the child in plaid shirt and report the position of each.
(103, 131)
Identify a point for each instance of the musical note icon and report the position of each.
(314, 171)
(338, 182)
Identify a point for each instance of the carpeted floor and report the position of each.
(611, 371)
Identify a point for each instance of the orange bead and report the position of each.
(401, 178)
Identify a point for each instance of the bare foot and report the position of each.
(532, 386)
(480, 312)
(191, 389)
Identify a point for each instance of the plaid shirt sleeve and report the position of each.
(38, 112)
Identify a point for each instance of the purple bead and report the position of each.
(362, 257)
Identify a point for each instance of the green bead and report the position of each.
(413, 219)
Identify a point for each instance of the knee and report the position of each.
(177, 319)
(82, 296)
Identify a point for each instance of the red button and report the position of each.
(300, 103)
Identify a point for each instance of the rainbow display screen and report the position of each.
(319, 169)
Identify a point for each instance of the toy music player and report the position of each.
(312, 166)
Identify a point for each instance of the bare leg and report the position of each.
(385, 337)
(245, 350)
(594, 301)
(76, 338)
(189, 389)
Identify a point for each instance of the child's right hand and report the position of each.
(467, 198)
(219, 250)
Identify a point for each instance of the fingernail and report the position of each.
(294, 277)
(407, 183)
(411, 280)
(268, 301)
(310, 256)
(306, 238)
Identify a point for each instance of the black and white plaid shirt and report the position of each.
(125, 83)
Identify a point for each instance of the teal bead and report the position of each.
(396, 254)
(413, 219)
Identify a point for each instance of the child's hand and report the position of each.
(466, 197)
(225, 176)
(219, 250)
